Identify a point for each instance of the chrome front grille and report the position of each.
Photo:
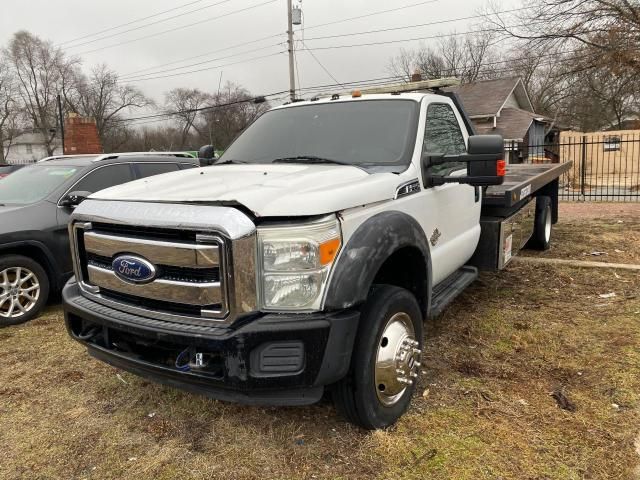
(158, 252)
(190, 268)
(203, 257)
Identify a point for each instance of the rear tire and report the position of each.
(385, 361)
(541, 239)
(24, 289)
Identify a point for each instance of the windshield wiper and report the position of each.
(309, 159)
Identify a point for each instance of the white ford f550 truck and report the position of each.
(307, 258)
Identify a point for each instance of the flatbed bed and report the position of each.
(521, 181)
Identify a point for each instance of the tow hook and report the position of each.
(190, 359)
(92, 332)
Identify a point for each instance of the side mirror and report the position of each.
(484, 158)
(207, 155)
(73, 199)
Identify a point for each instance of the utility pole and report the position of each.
(292, 78)
(61, 120)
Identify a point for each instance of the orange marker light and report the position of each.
(356, 94)
(329, 250)
(501, 168)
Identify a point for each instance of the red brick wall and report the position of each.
(81, 136)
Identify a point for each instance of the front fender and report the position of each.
(366, 251)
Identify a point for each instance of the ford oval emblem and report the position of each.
(133, 269)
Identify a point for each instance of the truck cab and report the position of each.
(306, 259)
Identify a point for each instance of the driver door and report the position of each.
(458, 210)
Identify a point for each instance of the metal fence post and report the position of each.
(583, 167)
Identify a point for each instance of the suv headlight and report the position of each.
(295, 263)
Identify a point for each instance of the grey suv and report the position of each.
(35, 204)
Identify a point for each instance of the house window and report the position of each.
(612, 143)
(29, 148)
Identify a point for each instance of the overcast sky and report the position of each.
(221, 28)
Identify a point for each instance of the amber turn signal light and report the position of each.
(329, 250)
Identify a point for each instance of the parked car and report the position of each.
(308, 256)
(6, 169)
(35, 205)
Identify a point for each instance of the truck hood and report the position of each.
(267, 190)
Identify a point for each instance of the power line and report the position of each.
(141, 76)
(413, 39)
(386, 80)
(380, 12)
(129, 23)
(266, 38)
(369, 82)
(444, 72)
(179, 28)
(162, 20)
(201, 55)
(201, 109)
(132, 74)
(205, 69)
(295, 57)
(145, 77)
(437, 22)
(353, 83)
(318, 62)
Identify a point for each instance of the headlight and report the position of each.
(296, 261)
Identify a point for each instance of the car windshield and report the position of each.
(33, 183)
(364, 133)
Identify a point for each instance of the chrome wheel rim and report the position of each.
(547, 227)
(19, 292)
(397, 359)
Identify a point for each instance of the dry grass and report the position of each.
(612, 233)
(483, 409)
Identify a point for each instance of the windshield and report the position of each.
(365, 133)
(33, 183)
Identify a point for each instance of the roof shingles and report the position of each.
(485, 97)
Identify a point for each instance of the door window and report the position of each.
(150, 169)
(442, 136)
(104, 177)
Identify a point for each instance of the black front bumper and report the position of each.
(267, 359)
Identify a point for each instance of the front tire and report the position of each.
(385, 362)
(24, 289)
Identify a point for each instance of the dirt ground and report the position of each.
(530, 374)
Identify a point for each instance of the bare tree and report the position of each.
(9, 108)
(186, 103)
(103, 97)
(403, 65)
(461, 56)
(40, 70)
(232, 110)
(606, 31)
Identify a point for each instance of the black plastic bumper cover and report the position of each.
(326, 340)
